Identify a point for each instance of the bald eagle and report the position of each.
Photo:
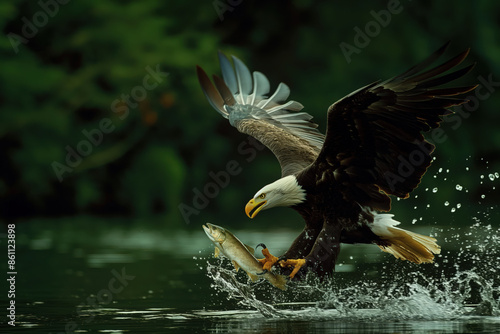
(340, 182)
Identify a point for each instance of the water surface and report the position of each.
(90, 275)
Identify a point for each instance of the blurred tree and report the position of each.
(85, 90)
(101, 111)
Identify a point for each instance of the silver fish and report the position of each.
(240, 255)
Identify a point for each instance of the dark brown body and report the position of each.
(330, 221)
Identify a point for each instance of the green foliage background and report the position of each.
(65, 78)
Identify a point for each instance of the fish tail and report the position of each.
(278, 281)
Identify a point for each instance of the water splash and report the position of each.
(224, 280)
(459, 284)
(463, 282)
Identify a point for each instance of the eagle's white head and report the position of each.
(283, 192)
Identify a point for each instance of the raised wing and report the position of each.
(241, 98)
(374, 144)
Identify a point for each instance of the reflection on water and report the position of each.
(88, 275)
(128, 279)
(308, 320)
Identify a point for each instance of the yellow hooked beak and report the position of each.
(253, 207)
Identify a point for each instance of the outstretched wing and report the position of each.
(241, 98)
(374, 144)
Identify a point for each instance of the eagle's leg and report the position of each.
(321, 259)
(303, 244)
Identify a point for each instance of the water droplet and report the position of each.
(483, 196)
(447, 171)
(440, 170)
(492, 177)
(453, 209)
(428, 205)
(413, 221)
(466, 168)
(459, 205)
(482, 176)
(351, 257)
(446, 203)
(435, 190)
(497, 175)
(458, 187)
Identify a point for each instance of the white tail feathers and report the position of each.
(414, 247)
(404, 245)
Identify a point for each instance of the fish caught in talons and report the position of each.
(269, 260)
(241, 255)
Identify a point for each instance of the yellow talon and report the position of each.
(296, 264)
(268, 261)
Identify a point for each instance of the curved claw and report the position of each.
(263, 272)
(260, 245)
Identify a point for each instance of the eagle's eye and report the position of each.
(262, 196)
